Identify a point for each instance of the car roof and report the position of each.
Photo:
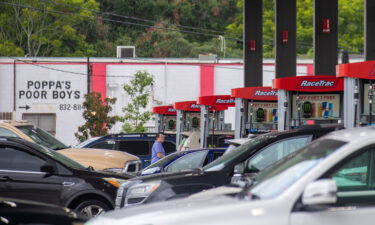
(357, 134)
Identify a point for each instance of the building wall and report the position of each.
(174, 81)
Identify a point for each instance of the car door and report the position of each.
(355, 180)
(275, 151)
(21, 176)
(189, 161)
(140, 148)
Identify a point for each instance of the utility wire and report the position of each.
(111, 20)
(140, 19)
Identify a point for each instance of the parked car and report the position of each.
(109, 160)
(218, 139)
(306, 188)
(21, 212)
(33, 172)
(250, 158)
(135, 144)
(185, 160)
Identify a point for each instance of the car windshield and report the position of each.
(59, 157)
(160, 163)
(88, 141)
(220, 163)
(42, 137)
(275, 179)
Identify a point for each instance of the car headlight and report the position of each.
(114, 181)
(142, 190)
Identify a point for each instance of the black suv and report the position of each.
(247, 159)
(135, 144)
(32, 172)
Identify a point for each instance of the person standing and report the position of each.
(157, 150)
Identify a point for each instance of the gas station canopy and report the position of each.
(309, 84)
(361, 70)
(164, 110)
(255, 93)
(193, 106)
(217, 101)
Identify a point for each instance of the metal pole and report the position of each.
(370, 98)
(14, 84)
(369, 29)
(88, 75)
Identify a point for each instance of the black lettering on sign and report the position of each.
(67, 85)
(77, 94)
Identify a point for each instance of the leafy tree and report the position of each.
(96, 113)
(136, 114)
(38, 31)
(350, 26)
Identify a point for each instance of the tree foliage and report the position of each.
(37, 30)
(136, 114)
(96, 114)
(350, 26)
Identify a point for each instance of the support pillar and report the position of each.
(179, 127)
(350, 108)
(239, 119)
(369, 30)
(159, 122)
(283, 109)
(204, 126)
(253, 43)
(325, 37)
(285, 42)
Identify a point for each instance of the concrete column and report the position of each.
(283, 110)
(325, 40)
(285, 42)
(349, 102)
(204, 126)
(253, 43)
(239, 118)
(179, 127)
(369, 30)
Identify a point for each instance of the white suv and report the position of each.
(330, 181)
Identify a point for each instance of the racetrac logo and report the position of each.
(224, 101)
(316, 84)
(265, 93)
(171, 110)
(195, 106)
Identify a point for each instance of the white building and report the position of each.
(49, 91)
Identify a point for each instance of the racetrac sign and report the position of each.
(193, 106)
(216, 100)
(255, 93)
(310, 84)
(164, 110)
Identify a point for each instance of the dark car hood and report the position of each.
(101, 174)
(164, 176)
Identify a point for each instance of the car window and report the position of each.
(355, 179)
(135, 147)
(276, 151)
(17, 160)
(188, 162)
(6, 133)
(104, 145)
(217, 155)
(169, 147)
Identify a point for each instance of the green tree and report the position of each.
(96, 114)
(350, 26)
(136, 114)
(33, 27)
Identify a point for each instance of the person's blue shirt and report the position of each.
(156, 147)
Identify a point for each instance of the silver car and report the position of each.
(330, 181)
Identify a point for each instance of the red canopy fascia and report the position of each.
(164, 110)
(255, 93)
(309, 84)
(361, 70)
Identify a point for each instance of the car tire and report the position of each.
(92, 208)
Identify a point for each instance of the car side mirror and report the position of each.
(47, 168)
(320, 192)
(239, 168)
(132, 167)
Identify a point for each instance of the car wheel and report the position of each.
(92, 208)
